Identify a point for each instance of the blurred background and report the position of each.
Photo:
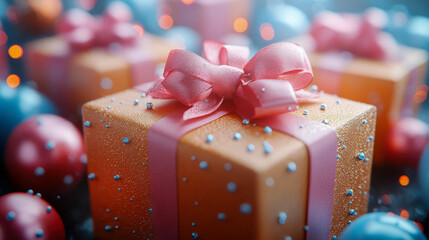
(41, 54)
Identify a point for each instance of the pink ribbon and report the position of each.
(360, 35)
(270, 83)
(83, 31)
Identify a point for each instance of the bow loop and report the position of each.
(360, 35)
(265, 87)
(83, 31)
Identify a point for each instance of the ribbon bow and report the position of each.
(270, 83)
(83, 31)
(360, 35)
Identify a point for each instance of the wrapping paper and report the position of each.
(389, 85)
(117, 145)
(61, 73)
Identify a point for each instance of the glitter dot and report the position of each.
(245, 122)
(194, 236)
(289, 108)
(361, 156)
(263, 89)
(38, 195)
(323, 107)
(349, 222)
(364, 122)
(196, 203)
(50, 145)
(48, 209)
(193, 224)
(30, 191)
(107, 126)
(314, 88)
(83, 159)
(131, 199)
(250, 148)
(143, 95)
(338, 101)
(39, 172)
(227, 166)
(112, 99)
(237, 136)
(269, 182)
(125, 140)
(325, 121)
(184, 179)
(109, 107)
(351, 212)
(305, 112)
(232, 187)
(116, 177)
(288, 238)
(87, 123)
(10, 216)
(136, 101)
(107, 228)
(366, 160)
(149, 105)
(221, 216)
(282, 218)
(193, 158)
(267, 147)
(134, 232)
(338, 156)
(150, 209)
(245, 208)
(107, 210)
(209, 138)
(58, 197)
(349, 192)
(267, 130)
(116, 227)
(343, 147)
(291, 167)
(121, 102)
(106, 83)
(204, 165)
(68, 179)
(39, 233)
(306, 228)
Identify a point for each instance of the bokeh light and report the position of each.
(139, 29)
(240, 25)
(187, 2)
(404, 214)
(404, 180)
(87, 4)
(386, 199)
(421, 94)
(13, 81)
(15, 51)
(3, 38)
(165, 21)
(267, 31)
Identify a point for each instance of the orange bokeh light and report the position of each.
(139, 29)
(187, 2)
(13, 81)
(267, 31)
(3, 38)
(165, 21)
(240, 25)
(421, 94)
(15, 51)
(404, 214)
(404, 180)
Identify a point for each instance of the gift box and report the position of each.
(211, 19)
(371, 69)
(106, 54)
(159, 169)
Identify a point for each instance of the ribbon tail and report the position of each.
(159, 91)
(204, 108)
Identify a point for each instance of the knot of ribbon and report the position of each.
(270, 83)
(83, 31)
(360, 35)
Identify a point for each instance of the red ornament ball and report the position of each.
(406, 142)
(25, 216)
(45, 153)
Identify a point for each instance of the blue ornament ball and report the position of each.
(186, 37)
(278, 22)
(382, 225)
(423, 174)
(18, 104)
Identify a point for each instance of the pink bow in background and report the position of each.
(270, 83)
(83, 31)
(360, 35)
